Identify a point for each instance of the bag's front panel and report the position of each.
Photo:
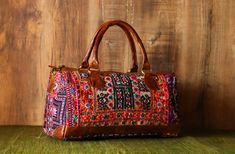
(125, 100)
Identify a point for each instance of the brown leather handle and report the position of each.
(85, 63)
(99, 35)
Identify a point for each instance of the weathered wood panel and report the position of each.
(195, 39)
(193, 30)
(20, 101)
(219, 91)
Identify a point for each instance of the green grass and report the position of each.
(28, 139)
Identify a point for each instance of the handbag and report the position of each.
(86, 103)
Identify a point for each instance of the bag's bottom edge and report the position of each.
(64, 132)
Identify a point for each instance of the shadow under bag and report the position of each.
(86, 103)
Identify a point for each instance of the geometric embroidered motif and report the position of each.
(54, 111)
(124, 100)
(122, 92)
(118, 93)
(58, 110)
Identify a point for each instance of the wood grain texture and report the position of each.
(193, 30)
(195, 39)
(220, 86)
(20, 56)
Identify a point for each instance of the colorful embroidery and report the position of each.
(171, 81)
(62, 105)
(56, 102)
(125, 100)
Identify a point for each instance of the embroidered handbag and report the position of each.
(88, 103)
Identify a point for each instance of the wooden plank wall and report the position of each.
(193, 38)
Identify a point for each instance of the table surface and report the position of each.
(31, 139)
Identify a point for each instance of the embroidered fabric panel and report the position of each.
(55, 111)
(55, 102)
(173, 115)
(61, 100)
(72, 104)
(125, 100)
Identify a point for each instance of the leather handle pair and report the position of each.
(85, 62)
(98, 37)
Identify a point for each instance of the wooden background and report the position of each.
(193, 38)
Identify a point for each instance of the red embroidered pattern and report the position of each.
(125, 100)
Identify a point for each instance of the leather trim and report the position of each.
(59, 132)
(96, 80)
(64, 68)
(149, 80)
(79, 132)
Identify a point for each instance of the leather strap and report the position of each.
(98, 37)
(85, 63)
